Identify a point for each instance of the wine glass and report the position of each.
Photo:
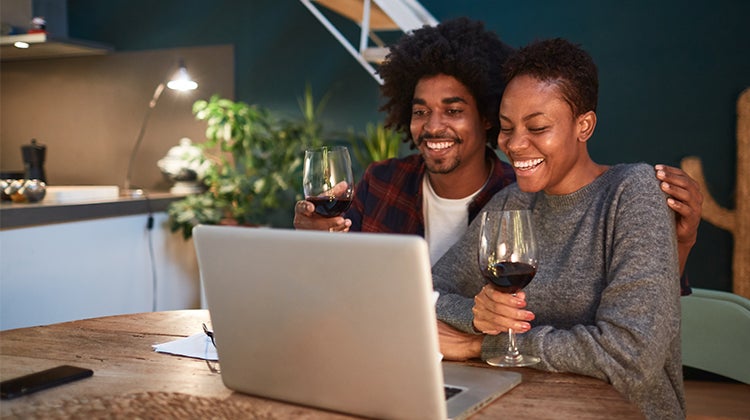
(508, 260)
(327, 180)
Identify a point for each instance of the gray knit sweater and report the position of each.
(606, 293)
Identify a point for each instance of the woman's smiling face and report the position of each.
(544, 141)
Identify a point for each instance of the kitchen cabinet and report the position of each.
(65, 262)
(45, 39)
(42, 45)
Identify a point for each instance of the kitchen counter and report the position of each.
(17, 215)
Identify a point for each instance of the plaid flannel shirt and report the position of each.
(389, 196)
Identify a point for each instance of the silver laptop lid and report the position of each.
(344, 322)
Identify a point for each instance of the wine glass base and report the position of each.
(510, 361)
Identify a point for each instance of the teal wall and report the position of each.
(670, 71)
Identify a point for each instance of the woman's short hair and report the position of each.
(563, 63)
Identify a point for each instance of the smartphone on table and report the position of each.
(38, 381)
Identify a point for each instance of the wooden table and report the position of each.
(131, 379)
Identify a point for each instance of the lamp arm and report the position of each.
(151, 105)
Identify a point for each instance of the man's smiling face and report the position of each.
(446, 125)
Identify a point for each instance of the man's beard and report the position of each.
(442, 165)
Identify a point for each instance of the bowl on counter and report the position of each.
(22, 190)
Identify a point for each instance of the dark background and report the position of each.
(670, 71)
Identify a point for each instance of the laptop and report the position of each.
(343, 322)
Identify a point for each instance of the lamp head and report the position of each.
(181, 80)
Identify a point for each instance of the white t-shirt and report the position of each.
(445, 220)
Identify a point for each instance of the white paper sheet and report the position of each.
(198, 346)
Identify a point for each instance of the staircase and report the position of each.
(372, 16)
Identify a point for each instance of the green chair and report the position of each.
(716, 333)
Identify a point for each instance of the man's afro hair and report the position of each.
(461, 48)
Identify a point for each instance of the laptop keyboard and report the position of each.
(451, 391)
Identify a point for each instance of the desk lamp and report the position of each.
(180, 81)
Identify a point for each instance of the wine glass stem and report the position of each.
(512, 353)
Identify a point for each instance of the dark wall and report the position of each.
(279, 46)
(670, 71)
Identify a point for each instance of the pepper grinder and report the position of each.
(33, 160)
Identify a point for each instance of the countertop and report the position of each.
(19, 215)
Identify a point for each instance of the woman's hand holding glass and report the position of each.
(496, 312)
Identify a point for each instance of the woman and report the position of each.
(605, 299)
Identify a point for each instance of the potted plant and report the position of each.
(375, 144)
(256, 163)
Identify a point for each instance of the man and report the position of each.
(443, 86)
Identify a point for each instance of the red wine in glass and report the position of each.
(509, 277)
(327, 180)
(330, 206)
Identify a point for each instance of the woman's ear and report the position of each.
(586, 125)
